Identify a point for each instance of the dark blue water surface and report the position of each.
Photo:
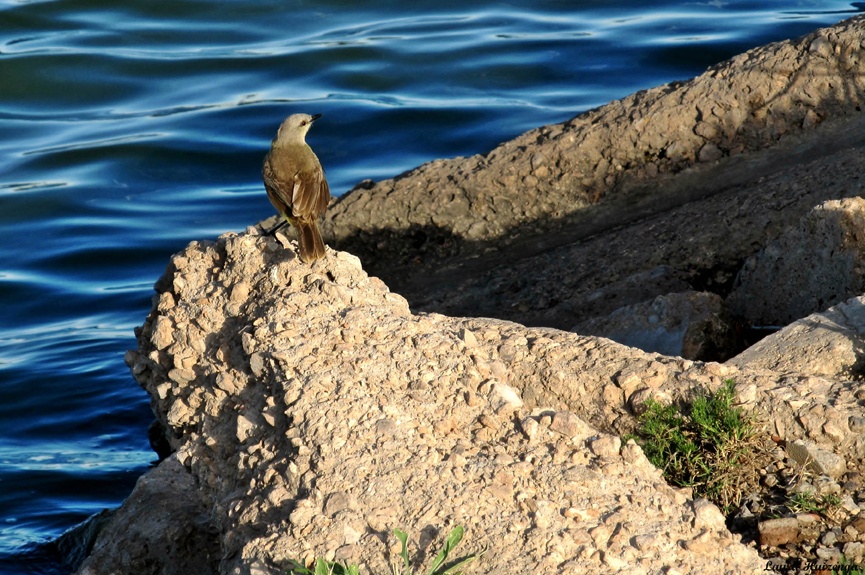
(129, 129)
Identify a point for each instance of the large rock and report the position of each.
(808, 268)
(829, 344)
(693, 325)
(744, 104)
(316, 413)
(163, 528)
(533, 230)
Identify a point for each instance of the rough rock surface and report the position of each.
(809, 267)
(700, 172)
(316, 413)
(163, 527)
(829, 344)
(693, 325)
(552, 171)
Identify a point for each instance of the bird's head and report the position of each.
(294, 128)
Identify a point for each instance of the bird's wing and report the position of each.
(274, 187)
(300, 191)
(310, 193)
(303, 194)
(323, 197)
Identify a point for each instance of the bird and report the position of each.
(296, 185)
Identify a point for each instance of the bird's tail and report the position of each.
(309, 238)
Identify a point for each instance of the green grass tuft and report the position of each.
(439, 565)
(708, 444)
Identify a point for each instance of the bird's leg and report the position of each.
(278, 225)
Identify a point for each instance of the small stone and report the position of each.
(239, 292)
(854, 551)
(606, 446)
(707, 515)
(348, 551)
(816, 459)
(529, 427)
(849, 504)
(181, 376)
(544, 513)
(811, 119)
(776, 532)
(856, 424)
(505, 398)
(703, 543)
(645, 542)
(226, 382)
(179, 414)
(569, 424)
(710, 152)
(385, 427)
(825, 485)
(614, 562)
(245, 428)
(469, 339)
(633, 454)
(471, 398)
(338, 501)
(162, 390)
(821, 46)
(829, 554)
(163, 333)
(256, 364)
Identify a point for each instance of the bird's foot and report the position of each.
(273, 230)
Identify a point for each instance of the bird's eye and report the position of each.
(303, 123)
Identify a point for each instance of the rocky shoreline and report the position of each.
(565, 222)
(312, 409)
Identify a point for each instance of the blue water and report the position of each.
(129, 129)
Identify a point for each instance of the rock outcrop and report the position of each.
(163, 527)
(745, 104)
(811, 266)
(700, 174)
(830, 344)
(316, 413)
(693, 325)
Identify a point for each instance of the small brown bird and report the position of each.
(295, 183)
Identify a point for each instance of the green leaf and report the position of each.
(403, 538)
(297, 568)
(457, 569)
(451, 542)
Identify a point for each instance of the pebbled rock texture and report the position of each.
(316, 413)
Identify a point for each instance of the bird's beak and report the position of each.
(315, 117)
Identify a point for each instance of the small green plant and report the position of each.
(438, 567)
(708, 444)
(808, 502)
(846, 568)
(323, 567)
